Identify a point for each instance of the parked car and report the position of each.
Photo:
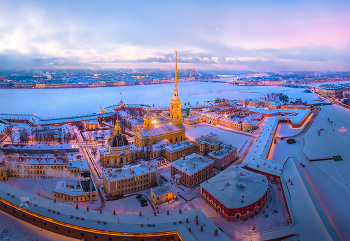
(119, 196)
(144, 204)
(139, 196)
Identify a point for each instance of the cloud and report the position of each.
(252, 34)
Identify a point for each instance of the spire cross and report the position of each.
(176, 71)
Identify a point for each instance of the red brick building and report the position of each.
(235, 193)
(192, 170)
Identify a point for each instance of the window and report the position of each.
(96, 237)
(69, 231)
(56, 228)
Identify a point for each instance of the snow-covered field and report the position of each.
(226, 137)
(78, 101)
(334, 138)
(286, 129)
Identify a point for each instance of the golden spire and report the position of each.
(176, 71)
(147, 110)
(116, 128)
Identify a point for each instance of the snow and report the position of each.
(286, 129)
(265, 221)
(226, 137)
(303, 210)
(12, 228)
(159, 129)
(229, 186)
(179, 146)
(192, 163)
(334, 139)
(119, 222)
(83, 101)
(112, 174)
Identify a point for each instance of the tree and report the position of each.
(94, 151)
(12, 136)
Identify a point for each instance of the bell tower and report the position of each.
(175, 103)
(147, 121)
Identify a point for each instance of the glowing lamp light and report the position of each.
(154, 122)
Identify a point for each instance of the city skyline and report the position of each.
(257, 36)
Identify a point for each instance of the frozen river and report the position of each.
(51, 103)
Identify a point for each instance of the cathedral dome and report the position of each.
(117, 141)
(148, 116)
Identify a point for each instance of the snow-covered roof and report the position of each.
(82, 165)
(265, 165)
(128, 171)
(69, 187)
(160, 129)
(4, 127)
(192, 163)
(179, 146)
(192, 118)
(224, 150)
(160, 190)
(91, 122)
(210, 139)
(42, 147)
(235, 184)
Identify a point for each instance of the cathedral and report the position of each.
(117, 150)
(174, 131)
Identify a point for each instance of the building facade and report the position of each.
(129, 179)
(161, 194)
(236, 194)
(192, 170)
(192, 120)
(223, 157)
(175, 151)
(207, 144)
(91, 125)
(75, 191)
(331, 91)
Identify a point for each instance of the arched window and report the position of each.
(121, 160)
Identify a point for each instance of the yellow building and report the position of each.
(152, 132)
(175, 151)
(129, 179)
(161, 194)
(3, 173)
(75, 191)
(45, 167)
(117, 150)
